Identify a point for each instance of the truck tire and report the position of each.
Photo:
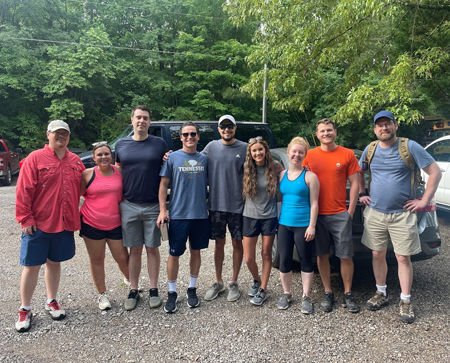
(8, 177)
(275, 253)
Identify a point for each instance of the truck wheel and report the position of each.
(8, 177)
(275, 253)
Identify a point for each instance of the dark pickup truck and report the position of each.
(9, 161)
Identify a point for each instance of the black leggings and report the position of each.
(287, 238)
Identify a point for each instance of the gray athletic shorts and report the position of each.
(337, 229)
(139, 224)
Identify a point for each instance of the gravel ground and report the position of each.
(219, 331)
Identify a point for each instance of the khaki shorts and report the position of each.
(400, 227)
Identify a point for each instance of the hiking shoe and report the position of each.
(406, 312)
(214, 291)
(103, 302)
(255, 288)
(327, 302)
(377, 301)
(131, 301)
(233, 293)
(259, 298)
(55, 311)
(284, 301)
(307, 307)
(350, 304)
(24, 322)
(192, 298)
(171, 303)
(154, 299)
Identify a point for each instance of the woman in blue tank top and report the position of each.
(299, 190)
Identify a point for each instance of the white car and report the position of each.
(440, 151)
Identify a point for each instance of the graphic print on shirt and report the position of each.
(192, 168)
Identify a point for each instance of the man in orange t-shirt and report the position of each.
(334, 165)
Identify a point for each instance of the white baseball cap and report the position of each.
(58, 125)
(227, 117)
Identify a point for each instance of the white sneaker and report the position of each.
(24, 322)
(55, 310)
(103, 302)
(126, 282)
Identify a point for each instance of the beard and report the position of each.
(386, 136)
(227, 138)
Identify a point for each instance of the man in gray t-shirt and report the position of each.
(390, 212)
(226, 159)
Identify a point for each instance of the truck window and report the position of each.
(2, 148)
(246, 132)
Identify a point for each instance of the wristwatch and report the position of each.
(362, 195)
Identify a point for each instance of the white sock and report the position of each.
(192, 280)
(25, 307)
(405, 297)
(173, 286)
(49, 301)
(382, 289)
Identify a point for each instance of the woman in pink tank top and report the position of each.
(101, 187)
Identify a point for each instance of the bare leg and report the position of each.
(238, 255)
(286, 281)
(219, 256)
(96, 251)
(323, 263)
(28, 283)
(120, 255)
(134, 266)
(52, 278)
(250, 256)
(195, 262)
(173, 264)
(380, 268)
(347, 273)
(405, 273)
(266, 254)
(307, 280)
(153, 264)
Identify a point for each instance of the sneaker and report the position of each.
(131, 301)
(103, 302)
(350, 303)
(255, 288)
(171, 303)
(284, 301)
(24, 322)
(154, 299)
(307, 306)
(377, 301)
(55, 311)
(259, 298)
(406, 312)
(233, 293)
(214, 291)
(126, 282)
(327, 302)
(192, 298)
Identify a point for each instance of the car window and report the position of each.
(2, 148)
(246, 132)
(440, 151)
(207, 134)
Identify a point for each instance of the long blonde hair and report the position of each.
(250, 174)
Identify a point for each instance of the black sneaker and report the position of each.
(327, 302)
(350, 304)
(192, 298)
(171, 303)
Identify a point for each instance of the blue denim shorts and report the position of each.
(35, 249)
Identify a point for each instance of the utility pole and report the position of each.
(264, 106)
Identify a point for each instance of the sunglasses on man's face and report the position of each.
(191, 134)
(227, 126)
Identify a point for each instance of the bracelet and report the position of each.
(362, 195)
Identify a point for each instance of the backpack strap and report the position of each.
(405, 154)
(372, 147)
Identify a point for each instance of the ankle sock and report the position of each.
(405, 297)
(192, 280)
(382, 289)
(173, 286)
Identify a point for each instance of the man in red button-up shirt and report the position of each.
(47, 200)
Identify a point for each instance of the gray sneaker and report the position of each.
(259, 298)
(377, 301)
(307, 307)
(255, 288)
(284, 301)
(214, 291)
(154, 299)
(406, 312)
(233, 293)
(131, 301)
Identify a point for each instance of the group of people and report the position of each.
(125, 207)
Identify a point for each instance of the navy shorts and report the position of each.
(254, 227)
(219, 221)
(35, 249)
(98, 234)
(197, 230)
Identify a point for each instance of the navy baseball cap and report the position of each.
(381, 114)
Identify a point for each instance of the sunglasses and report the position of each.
(191, 134)
(257, 138)
(227, 126)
